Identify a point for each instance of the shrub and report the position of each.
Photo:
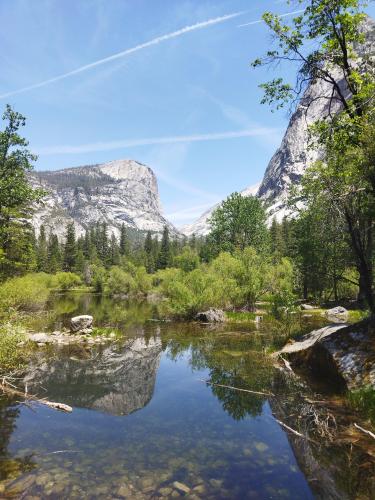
(188, 260)
(29, 292)
(120, 282)
(11, 356)
(66, 281)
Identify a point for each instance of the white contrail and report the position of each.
(262, 20)
(111, 145)
(124, 53)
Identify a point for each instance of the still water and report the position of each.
(145, 424)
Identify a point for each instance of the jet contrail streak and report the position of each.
(262, 21)
(124, 53)
(120, 144)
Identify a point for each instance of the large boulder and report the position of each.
(211, 316)
(81, 323)
(337, 353)
(337, 314)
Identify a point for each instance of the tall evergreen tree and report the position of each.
(54, 254)
(149, 257)
(114, 251)
(124, 242)
(70, 248)
(164, 257)
(16, 195)
(42, 251)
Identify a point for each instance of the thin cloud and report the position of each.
(124, 53)
(112, 145)
(262, 21)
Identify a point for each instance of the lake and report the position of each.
(151, 418)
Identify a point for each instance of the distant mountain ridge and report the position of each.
(117, 192)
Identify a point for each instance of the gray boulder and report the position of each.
(339, 353)
(80, 323)
(307, 307)
(337, 314)
(211, 316)
(39, 338)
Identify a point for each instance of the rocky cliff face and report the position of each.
(294, 156)
(121, 191)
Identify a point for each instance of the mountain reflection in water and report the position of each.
(117, 379)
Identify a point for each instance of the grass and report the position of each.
(240, 317)
(12, 355)
(363, 400)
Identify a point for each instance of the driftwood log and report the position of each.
(7, 388)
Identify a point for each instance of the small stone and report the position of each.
(261, 447)
(216, 483)
(124, 491)
(165, 492)
(181, 487)
(200, 489)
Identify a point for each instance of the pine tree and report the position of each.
(124, 242)
(54, 254)
(164, 257)
(70, 248)
(114, 251)
(149, 257)
(42, 251)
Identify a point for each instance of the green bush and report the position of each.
(66, 281)
(28, 293)
(188, 260)
(11, 355)
(229, 281)
(120, 282)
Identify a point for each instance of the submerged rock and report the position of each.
(345, 354)
(81, 323)
(211, 316)
(181, 487)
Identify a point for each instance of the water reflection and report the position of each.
(142, 419)
(116, 379)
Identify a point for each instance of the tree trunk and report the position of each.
(362, 245)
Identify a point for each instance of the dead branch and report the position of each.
(369, 433)
(237, 388)
(7, 388)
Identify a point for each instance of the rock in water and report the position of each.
(80, 323)
(337, 314)
(337, 353)
(211, 316)
(307, 307)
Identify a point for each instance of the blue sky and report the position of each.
(179, 95)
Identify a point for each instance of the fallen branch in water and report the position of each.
(290, 429)
(9, 389)
(369, 433)
(237, 388)
(287, 364)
